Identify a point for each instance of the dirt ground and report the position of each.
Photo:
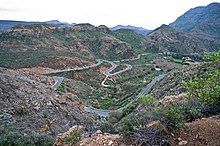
(202, 132)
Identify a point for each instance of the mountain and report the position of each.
(167, 39)
(136, 40)
(139, 30)
(82, 40)
(6, 25)
(203, 21)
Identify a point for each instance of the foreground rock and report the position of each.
(98, 138)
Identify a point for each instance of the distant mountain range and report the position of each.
(6, 25)
(140, 30)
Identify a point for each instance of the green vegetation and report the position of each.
(129, 108)
(175, 60)
(62, 88)
(119, 68)
(206, 87)
(124, 88)
(134, 39)
(10, 138)
(74, 137)
(21, 111)
(144, 59)
(147, 100)
(129, 125)
(31, 58)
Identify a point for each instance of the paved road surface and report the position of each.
(76, 68)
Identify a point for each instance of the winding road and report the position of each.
(146, 90)
(99, 62)
(107, 73)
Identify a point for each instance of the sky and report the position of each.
(149, 14)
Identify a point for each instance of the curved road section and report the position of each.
(107, 73)
(144, 91)
(76, 68)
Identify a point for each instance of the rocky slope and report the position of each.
(167, 39)
(203, 23)
(32, 112)
(84, 39)
(200, 20)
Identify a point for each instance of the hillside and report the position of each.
(82, 39)
(32, 113)
(136, 40)
(167, 39)
(200, 20)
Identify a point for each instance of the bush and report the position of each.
(74, 137)
(129, 108)
(128, 126)
(114, 117)
(107, 128)
(173, 118)
(13, 138)
(175, 115)
(206, 87)
(147, 100)
(61, 88)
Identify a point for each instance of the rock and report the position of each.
(183, 142)
(60, 138)
(179, 139)
(110, 143)
(98, 132)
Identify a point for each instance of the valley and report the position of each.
(65, 84)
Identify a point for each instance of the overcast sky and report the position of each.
(146, 13)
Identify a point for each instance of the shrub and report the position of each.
(61, 88)
(114, 117)
(129, 108)
(74, 137)
(206, 87)
(173, 118)
(147, 100)
(128, 126)
(13, 138)
(107, 127)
